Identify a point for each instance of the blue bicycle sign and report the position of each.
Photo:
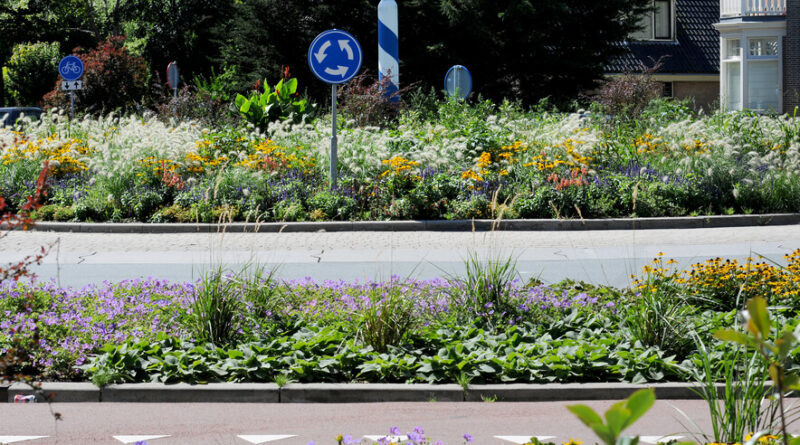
(70, 68)
(334, 56)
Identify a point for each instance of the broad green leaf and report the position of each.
(245, 107)
(586, 415)
(291, 86)
(774, 373)
(603, 433)
(239, 101)
(759, 317)
(617, 418)
(638, 404)
(734, 336)
(785, 344)
(791, 382)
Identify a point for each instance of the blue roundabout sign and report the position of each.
(335, 56)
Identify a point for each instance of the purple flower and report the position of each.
(394, 431)
(467, 438)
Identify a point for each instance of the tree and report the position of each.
(69, 22)
(114, 79)
(262, 36)
(32, 70)
(526, 49)
(180, 30)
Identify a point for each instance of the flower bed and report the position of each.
(472, 161)
(483, 328)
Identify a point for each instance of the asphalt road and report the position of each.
(602, 257)
(88, 423)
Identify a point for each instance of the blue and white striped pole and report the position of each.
(388, 46)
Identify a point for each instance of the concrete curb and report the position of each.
(185, 393)
(345, 392)
(482, 225)
(58, 392)
(369, 392)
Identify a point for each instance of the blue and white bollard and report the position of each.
(388, 46)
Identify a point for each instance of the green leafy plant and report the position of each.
(388, 318)
(283, 103)
(216, 86)
(620, 416)
(742, 405)
(659, 314)
(32, 70)
(486, 286)
(776, 354)
(216, 308)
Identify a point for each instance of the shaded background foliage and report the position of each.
(528, 49)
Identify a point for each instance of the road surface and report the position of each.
(601, 257)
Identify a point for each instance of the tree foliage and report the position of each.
(32, 70)
(525, 49)
(113, 79)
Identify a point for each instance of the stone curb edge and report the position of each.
(342, 393)
(482, 225)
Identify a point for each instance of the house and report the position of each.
(681, 34)
(760, 54)
(735, 54)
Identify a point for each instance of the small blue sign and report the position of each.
(70, 68)
(334, 56)
(458, 82)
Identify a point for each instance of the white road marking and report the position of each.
(264, 438)
(13, 439)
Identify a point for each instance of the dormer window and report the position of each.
(658, 23)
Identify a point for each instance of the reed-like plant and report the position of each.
(742, 405)
(216, 309)
(487, 284)
(387, 318)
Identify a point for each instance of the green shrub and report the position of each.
(64, 214)
(173, 213)
(333, 204)
(113, 79)
(32, 70)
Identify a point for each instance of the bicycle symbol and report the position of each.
(70, 68)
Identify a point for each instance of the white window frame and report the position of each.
(745, 34)
(652, 17)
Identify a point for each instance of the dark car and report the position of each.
(10, 115)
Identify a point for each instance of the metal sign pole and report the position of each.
(333, 137)
(71, 104)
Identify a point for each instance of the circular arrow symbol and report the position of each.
(334, 56)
